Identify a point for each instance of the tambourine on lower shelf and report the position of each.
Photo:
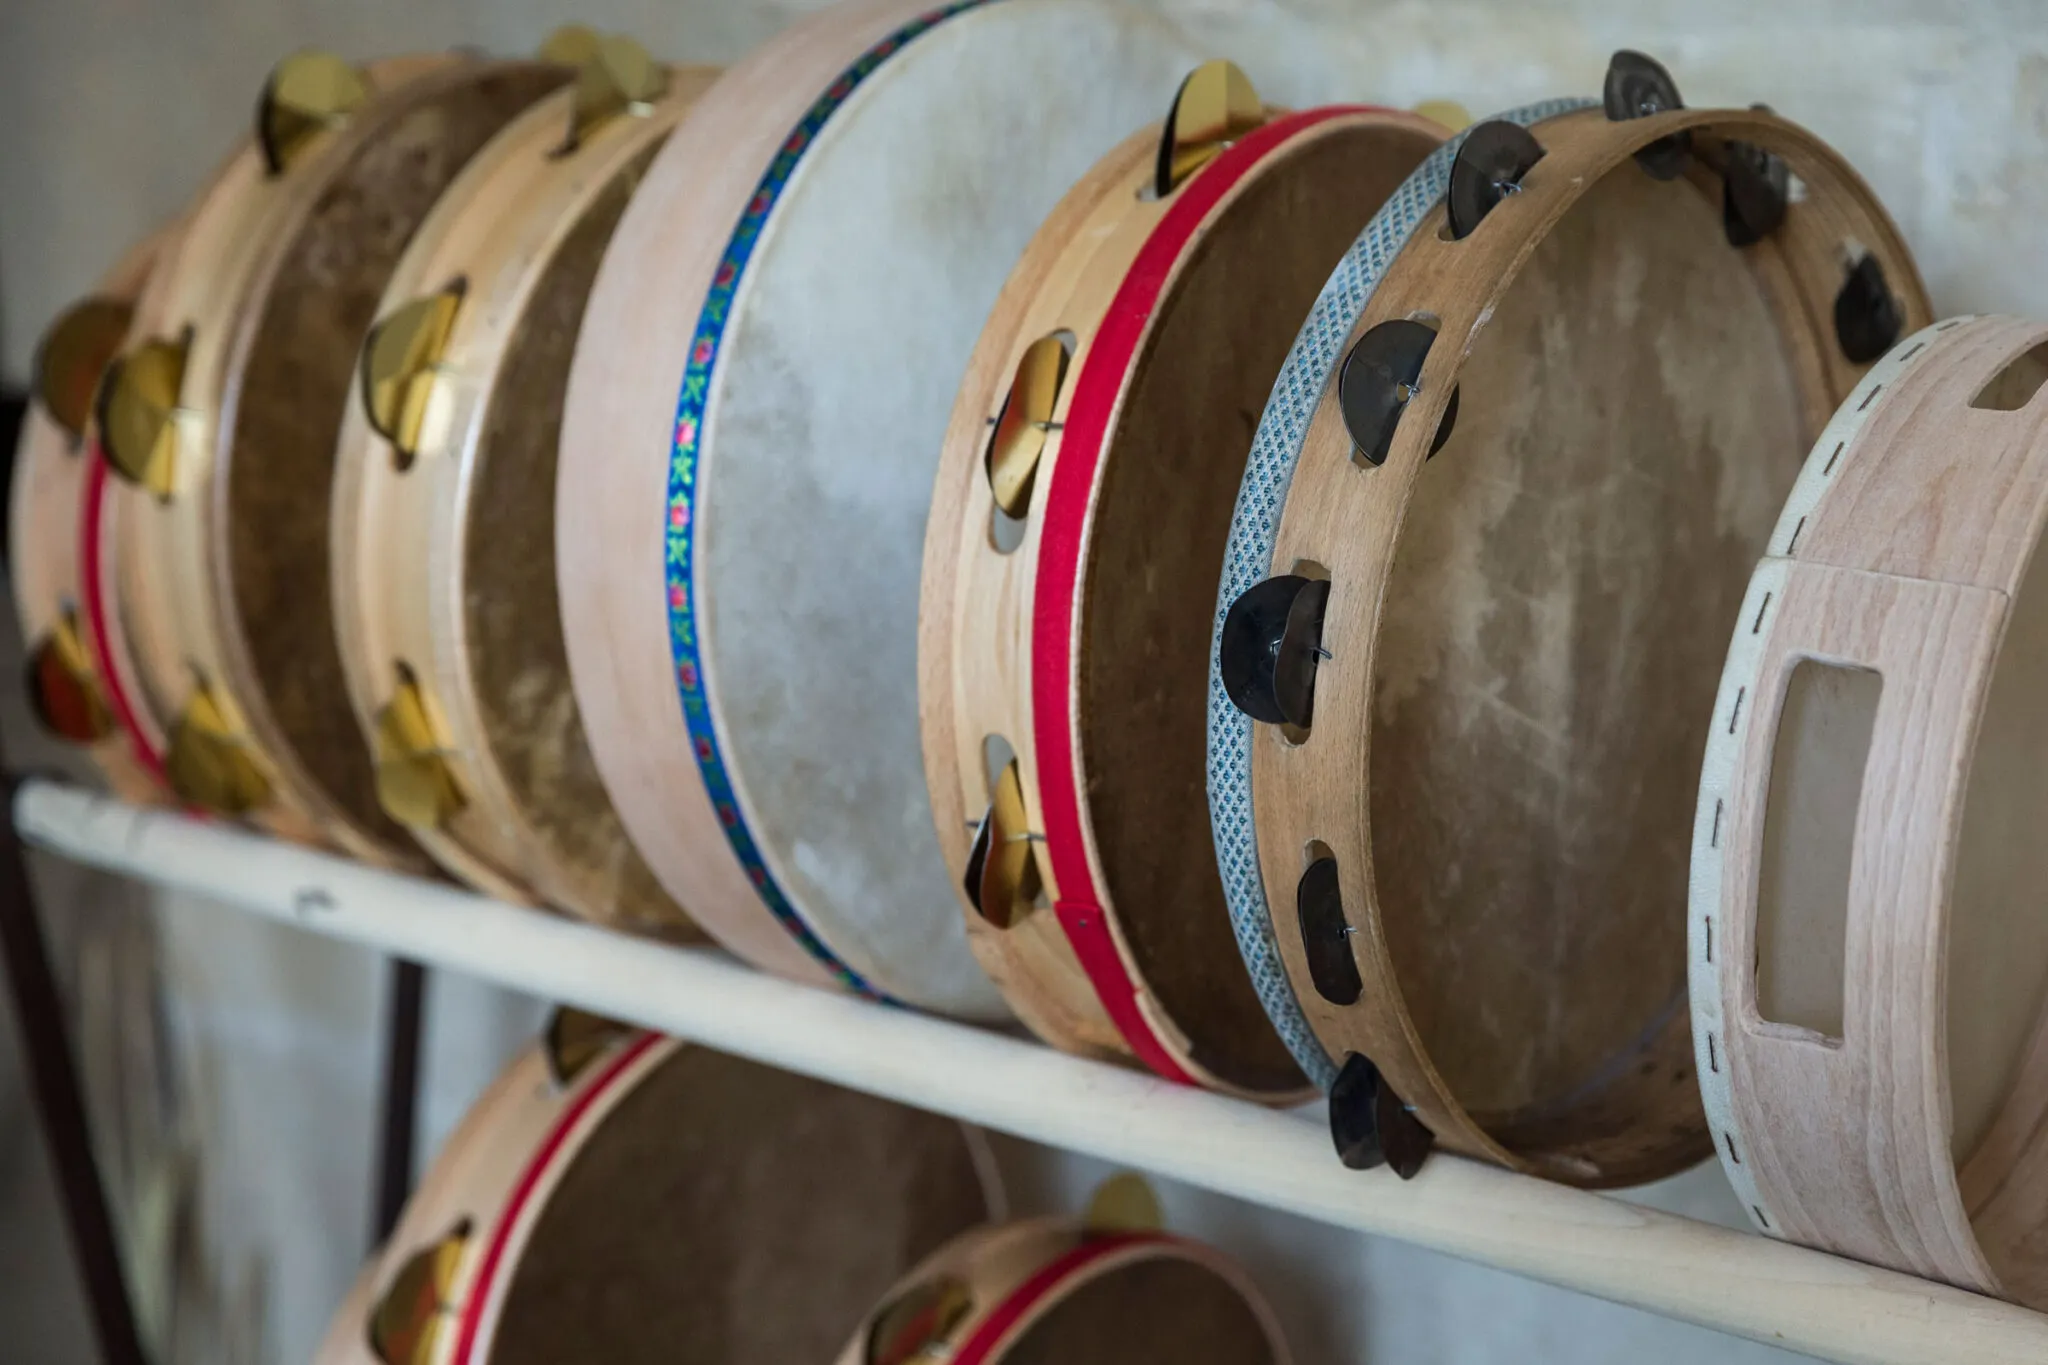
(621, 1197)
(69, 628)
(220, 418)
(1497, 518)
(1076, 531)
(443, 509)
(1867, 949)
(1057, 1291)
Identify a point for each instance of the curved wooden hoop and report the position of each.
(1000, 636)
(1903, 549)
(1397, 269)
(681, 588)
(499, 228)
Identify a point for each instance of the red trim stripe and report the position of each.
(92, 589)
(995, 1329)
(1055, 610)
(529, 1183)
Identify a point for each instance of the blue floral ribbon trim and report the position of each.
(705, 345)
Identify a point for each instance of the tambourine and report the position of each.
(1498, 514)
(1076, 535)
(1867, 951)
(443, 534)
(1056, 1291)
(754, 420)
(617, 1196)
(54, 469)
(221, 418)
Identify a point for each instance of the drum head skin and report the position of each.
(284, 412)
(1519, 633)
(1055, 1292)
(1867, 954)
(1080, 647)
(753, 426)
(443, 543)
(220, 548)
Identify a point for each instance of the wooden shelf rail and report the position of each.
(1732, 1281)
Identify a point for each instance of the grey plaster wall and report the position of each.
(112, 111)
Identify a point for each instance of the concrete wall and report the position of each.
(113, 111)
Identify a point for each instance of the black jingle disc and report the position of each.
(1378, 379)
(1489, 167)
(1369, 1124)
(1326, 934)
(1637, 87)
(1755, 187)
(1269, 648)
(1867, 317)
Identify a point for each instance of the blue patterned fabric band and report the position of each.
(684, 486)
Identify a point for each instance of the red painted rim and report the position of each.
(92, 589)
(995, 1329)
(1055, 608)
(529, 1184)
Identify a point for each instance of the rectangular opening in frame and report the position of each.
(1809, 843)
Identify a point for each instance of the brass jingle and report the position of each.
(211, 761)
(139, 413)
(1125, 1202)
(1025, 421)
(1003, 879)
(574, 1039)
(1214, 107)
(400, 363)
(307, 94)
(416, 784)
(74, 355)
(916, 1326)
(616, 77)
(406, 1324)
(64, 687)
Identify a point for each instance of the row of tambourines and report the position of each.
(616, 1196)
(1227, 674)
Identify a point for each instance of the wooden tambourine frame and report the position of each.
(56, 463)
(175, 533)
(503, 263)
(1007, 621)
(441, 1289)
(1291, 808)
(1868, 956)
(983, 1294)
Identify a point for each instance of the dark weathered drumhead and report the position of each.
(513, 614)
(1170, 479)
(284, 411)
(1155, 1312)
(1565, 584)
(730, 1214)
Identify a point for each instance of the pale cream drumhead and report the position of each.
(754, 420)
(1135, 335)
(224, 411)
(668, 1204)
(1869, 961)
(54, 473)
(1055, 1292)
(443, 531)
(1473, 848)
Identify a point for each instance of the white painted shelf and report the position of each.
(1732, 1281)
